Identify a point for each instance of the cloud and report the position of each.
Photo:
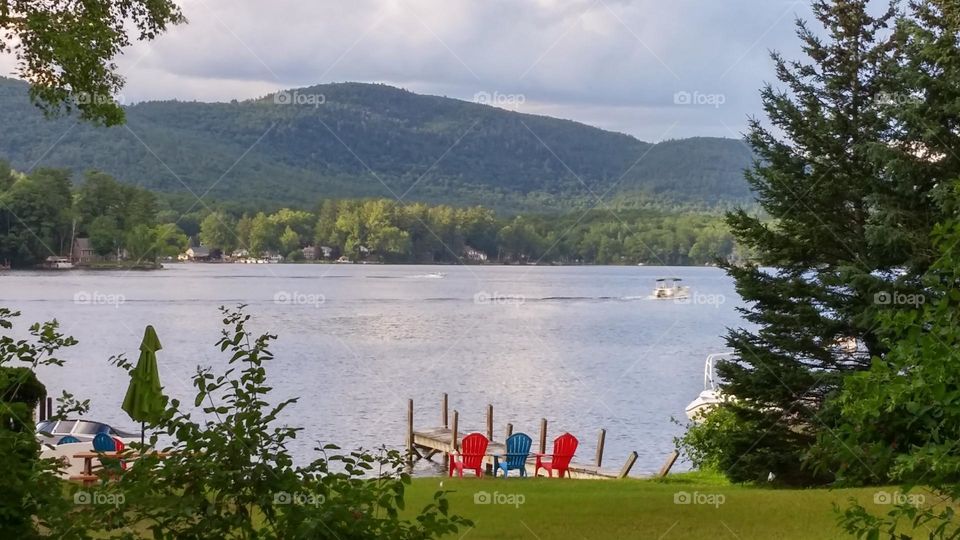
(615, 64)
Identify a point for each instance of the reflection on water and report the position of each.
(582, 346)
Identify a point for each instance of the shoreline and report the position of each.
(162, 266)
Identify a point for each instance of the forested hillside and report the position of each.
(366, 140)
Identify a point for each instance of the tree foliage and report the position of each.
(65, 49)
(382, 229)
(899, 422)
(31, 501)
(836, 242)
(41, 214)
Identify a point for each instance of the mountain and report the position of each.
(358, 140)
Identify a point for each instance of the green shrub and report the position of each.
(31, 499)
(726, 442)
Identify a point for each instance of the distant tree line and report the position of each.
(42, 214)
(383, 230)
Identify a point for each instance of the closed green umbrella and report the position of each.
(145, 401)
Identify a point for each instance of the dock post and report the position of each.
(543, 435)
(600, 441)
(489, 465)
(410, 433)
(667, 465)
(443, 412)
(42, 411)
(631, 459)
(509, 431)
(444, 417)
(456, 421)
(489, 422)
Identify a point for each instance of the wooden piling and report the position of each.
(600, 441)
(631, 459)
(456, 421)
(667, 465)
(445, 418)
(410, 432)
(42, 412)
(49, 408)
(543, 435)
(509, 431)
(443, 411)
(489, 422)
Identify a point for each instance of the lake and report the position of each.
(584, 347)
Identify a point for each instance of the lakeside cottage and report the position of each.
(83, 252)
(198, 253)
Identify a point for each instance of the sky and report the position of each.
(656, 69)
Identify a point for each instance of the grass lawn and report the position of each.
(550, 508)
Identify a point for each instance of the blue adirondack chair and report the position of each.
(105, 443)
(518, 448)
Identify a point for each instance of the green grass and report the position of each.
(552, 508)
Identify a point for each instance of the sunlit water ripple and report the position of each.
(584, 347)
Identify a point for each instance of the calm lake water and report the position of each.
(582, 346)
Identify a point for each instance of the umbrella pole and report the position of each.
(141, 435)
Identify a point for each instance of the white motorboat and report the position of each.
(670, 289)
(58, 263)
(53, 431)
(64, 438)
(711, 395)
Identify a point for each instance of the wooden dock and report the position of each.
(446, 439)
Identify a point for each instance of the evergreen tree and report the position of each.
(885, 420)
(822, 176)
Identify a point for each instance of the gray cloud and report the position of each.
(614, 64)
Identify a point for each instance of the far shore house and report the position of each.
(474, 254)
(83, 252)
(309, 253)
(327, 252)
(198, 253)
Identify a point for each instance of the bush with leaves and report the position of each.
(230, 475)
(31, 500)
(900, 421)
(725, 441)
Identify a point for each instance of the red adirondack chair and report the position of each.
(472, 450)
(119, 447)
(564, 447)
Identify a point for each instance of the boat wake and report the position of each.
(432, 275)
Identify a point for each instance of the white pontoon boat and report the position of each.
(711, 396)
(670, 289)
